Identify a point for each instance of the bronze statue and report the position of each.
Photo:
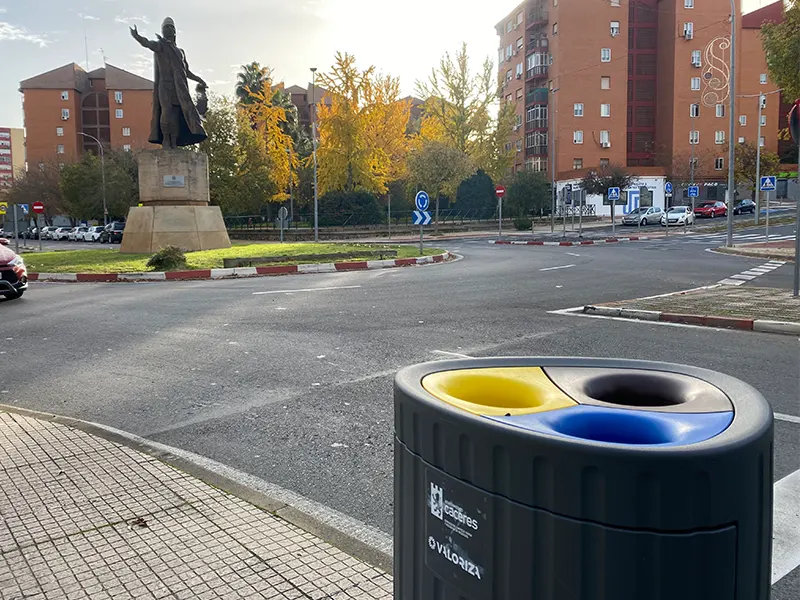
(176, 120)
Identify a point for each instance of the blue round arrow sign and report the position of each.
(422, 200)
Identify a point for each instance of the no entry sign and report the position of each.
(38, 208)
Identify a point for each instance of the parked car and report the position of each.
(31, 233)
(47, 232)
(678, 215)
(77, 234)
(745, 206)
(711, 210)
(61, 233)
(112, 234)
(13, 274)
(93, 234)
(643, 215)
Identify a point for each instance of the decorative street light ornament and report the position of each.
(794, 121)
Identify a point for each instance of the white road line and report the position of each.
(731, 282)
(453, 354)
(321, 289)
(788, 418)
(744, 277)
(573, 254)
(786, 527)
(557, 268)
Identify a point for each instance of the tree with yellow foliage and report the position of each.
(362, 134)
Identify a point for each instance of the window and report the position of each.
(605, 83)
(555, 28)
(763, 120)
(741, 140)
(508, 75)
(500, 56)
(519, 94)
(720, 108)
(509, 26)
(605, 140)
(126, 131)
(696, 60)
(509, 51)
(520, 17)
(65, 95)
(742, 120)
(555, 3)
(519, 146)
(763, 79)
(577, 137)
(694, 110)
(65, 114)
(509, 98)
(577, 163)
(605, 110)
(761, 141)
(519, 71)
(614, 28)
(518, 121)
(719, 163)
(719, 137)
(577, 109)
(688, 3)
(60, 149)
(118, 97)
(694, 137)
(118, 113)
(695, 84)
(688, 30)
(520, 44)
(763, 101)
(604, 162)
(614, 2)
(605, 54)
(60, 131)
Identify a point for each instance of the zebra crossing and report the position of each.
(750, 274)
(744, 238)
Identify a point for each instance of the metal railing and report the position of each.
(588, 210)
(539, 71)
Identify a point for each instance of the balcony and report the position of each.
(535, 72)
(537, 96)
(536, 151)
(537, 17)
(534, 124)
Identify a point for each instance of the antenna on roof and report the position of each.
(85, 40)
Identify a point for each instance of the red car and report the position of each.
(711, 210)
(13, 274)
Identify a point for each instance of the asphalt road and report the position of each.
(296, 386)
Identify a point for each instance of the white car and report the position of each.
(678, 216)
(93, 234)
(62, 233)
(77, 234)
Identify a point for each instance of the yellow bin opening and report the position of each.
(499, 391)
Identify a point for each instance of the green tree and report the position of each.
(40, 185)
(781, 42)
(82, 186)
(747, 161)
(476, 193)
(252, 79)
(598, 181)
(438, 168)
(460, 105)
(221, 146)
(528, 192)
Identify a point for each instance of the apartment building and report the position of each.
(109, 104)
(12, 156)
(639, 83)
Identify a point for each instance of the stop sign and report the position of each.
(38, 208)
(500, 191)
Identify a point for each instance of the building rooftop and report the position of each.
(120, 79)
(771, 13)
(73, 77)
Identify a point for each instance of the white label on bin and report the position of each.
(458, 533)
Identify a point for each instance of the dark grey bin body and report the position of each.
(544, 517)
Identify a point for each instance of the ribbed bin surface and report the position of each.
(591, 499)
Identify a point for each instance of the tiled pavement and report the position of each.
(82, 517)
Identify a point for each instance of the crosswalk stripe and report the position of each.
(731, 281)
(744, 277)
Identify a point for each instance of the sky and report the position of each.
(404, 39)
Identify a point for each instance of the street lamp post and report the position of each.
(761, 99)
(553, 136)
(691, 169)
(731, 125)
(312, 108)
(103, 171)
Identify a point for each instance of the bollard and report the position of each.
(599, 479)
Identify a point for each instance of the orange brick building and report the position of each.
(640, 83)
(109, 103)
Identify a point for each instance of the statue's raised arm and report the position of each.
(143, 40)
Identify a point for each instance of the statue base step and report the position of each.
(191, 228)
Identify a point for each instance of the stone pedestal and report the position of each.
(173, 210)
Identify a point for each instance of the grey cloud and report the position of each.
(12, 33)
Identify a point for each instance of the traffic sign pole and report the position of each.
(16, 231)
(767, 217)
(500, 217)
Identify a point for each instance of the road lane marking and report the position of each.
(573, 254)
(320, 289)
(453, 354)
(557, 268)
(787, 418)
(786, 527)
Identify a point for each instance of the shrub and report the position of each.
(350, 208)
(168, 258)
(523, 223)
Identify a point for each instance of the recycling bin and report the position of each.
(577, 478)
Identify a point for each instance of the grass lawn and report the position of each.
(111, 261)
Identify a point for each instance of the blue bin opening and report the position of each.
(624, 426)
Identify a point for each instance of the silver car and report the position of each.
(643, 215)
(678, 215)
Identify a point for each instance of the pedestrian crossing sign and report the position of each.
(768, 183)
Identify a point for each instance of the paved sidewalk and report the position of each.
(724, 301)
(783, 250)
(82, 517)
